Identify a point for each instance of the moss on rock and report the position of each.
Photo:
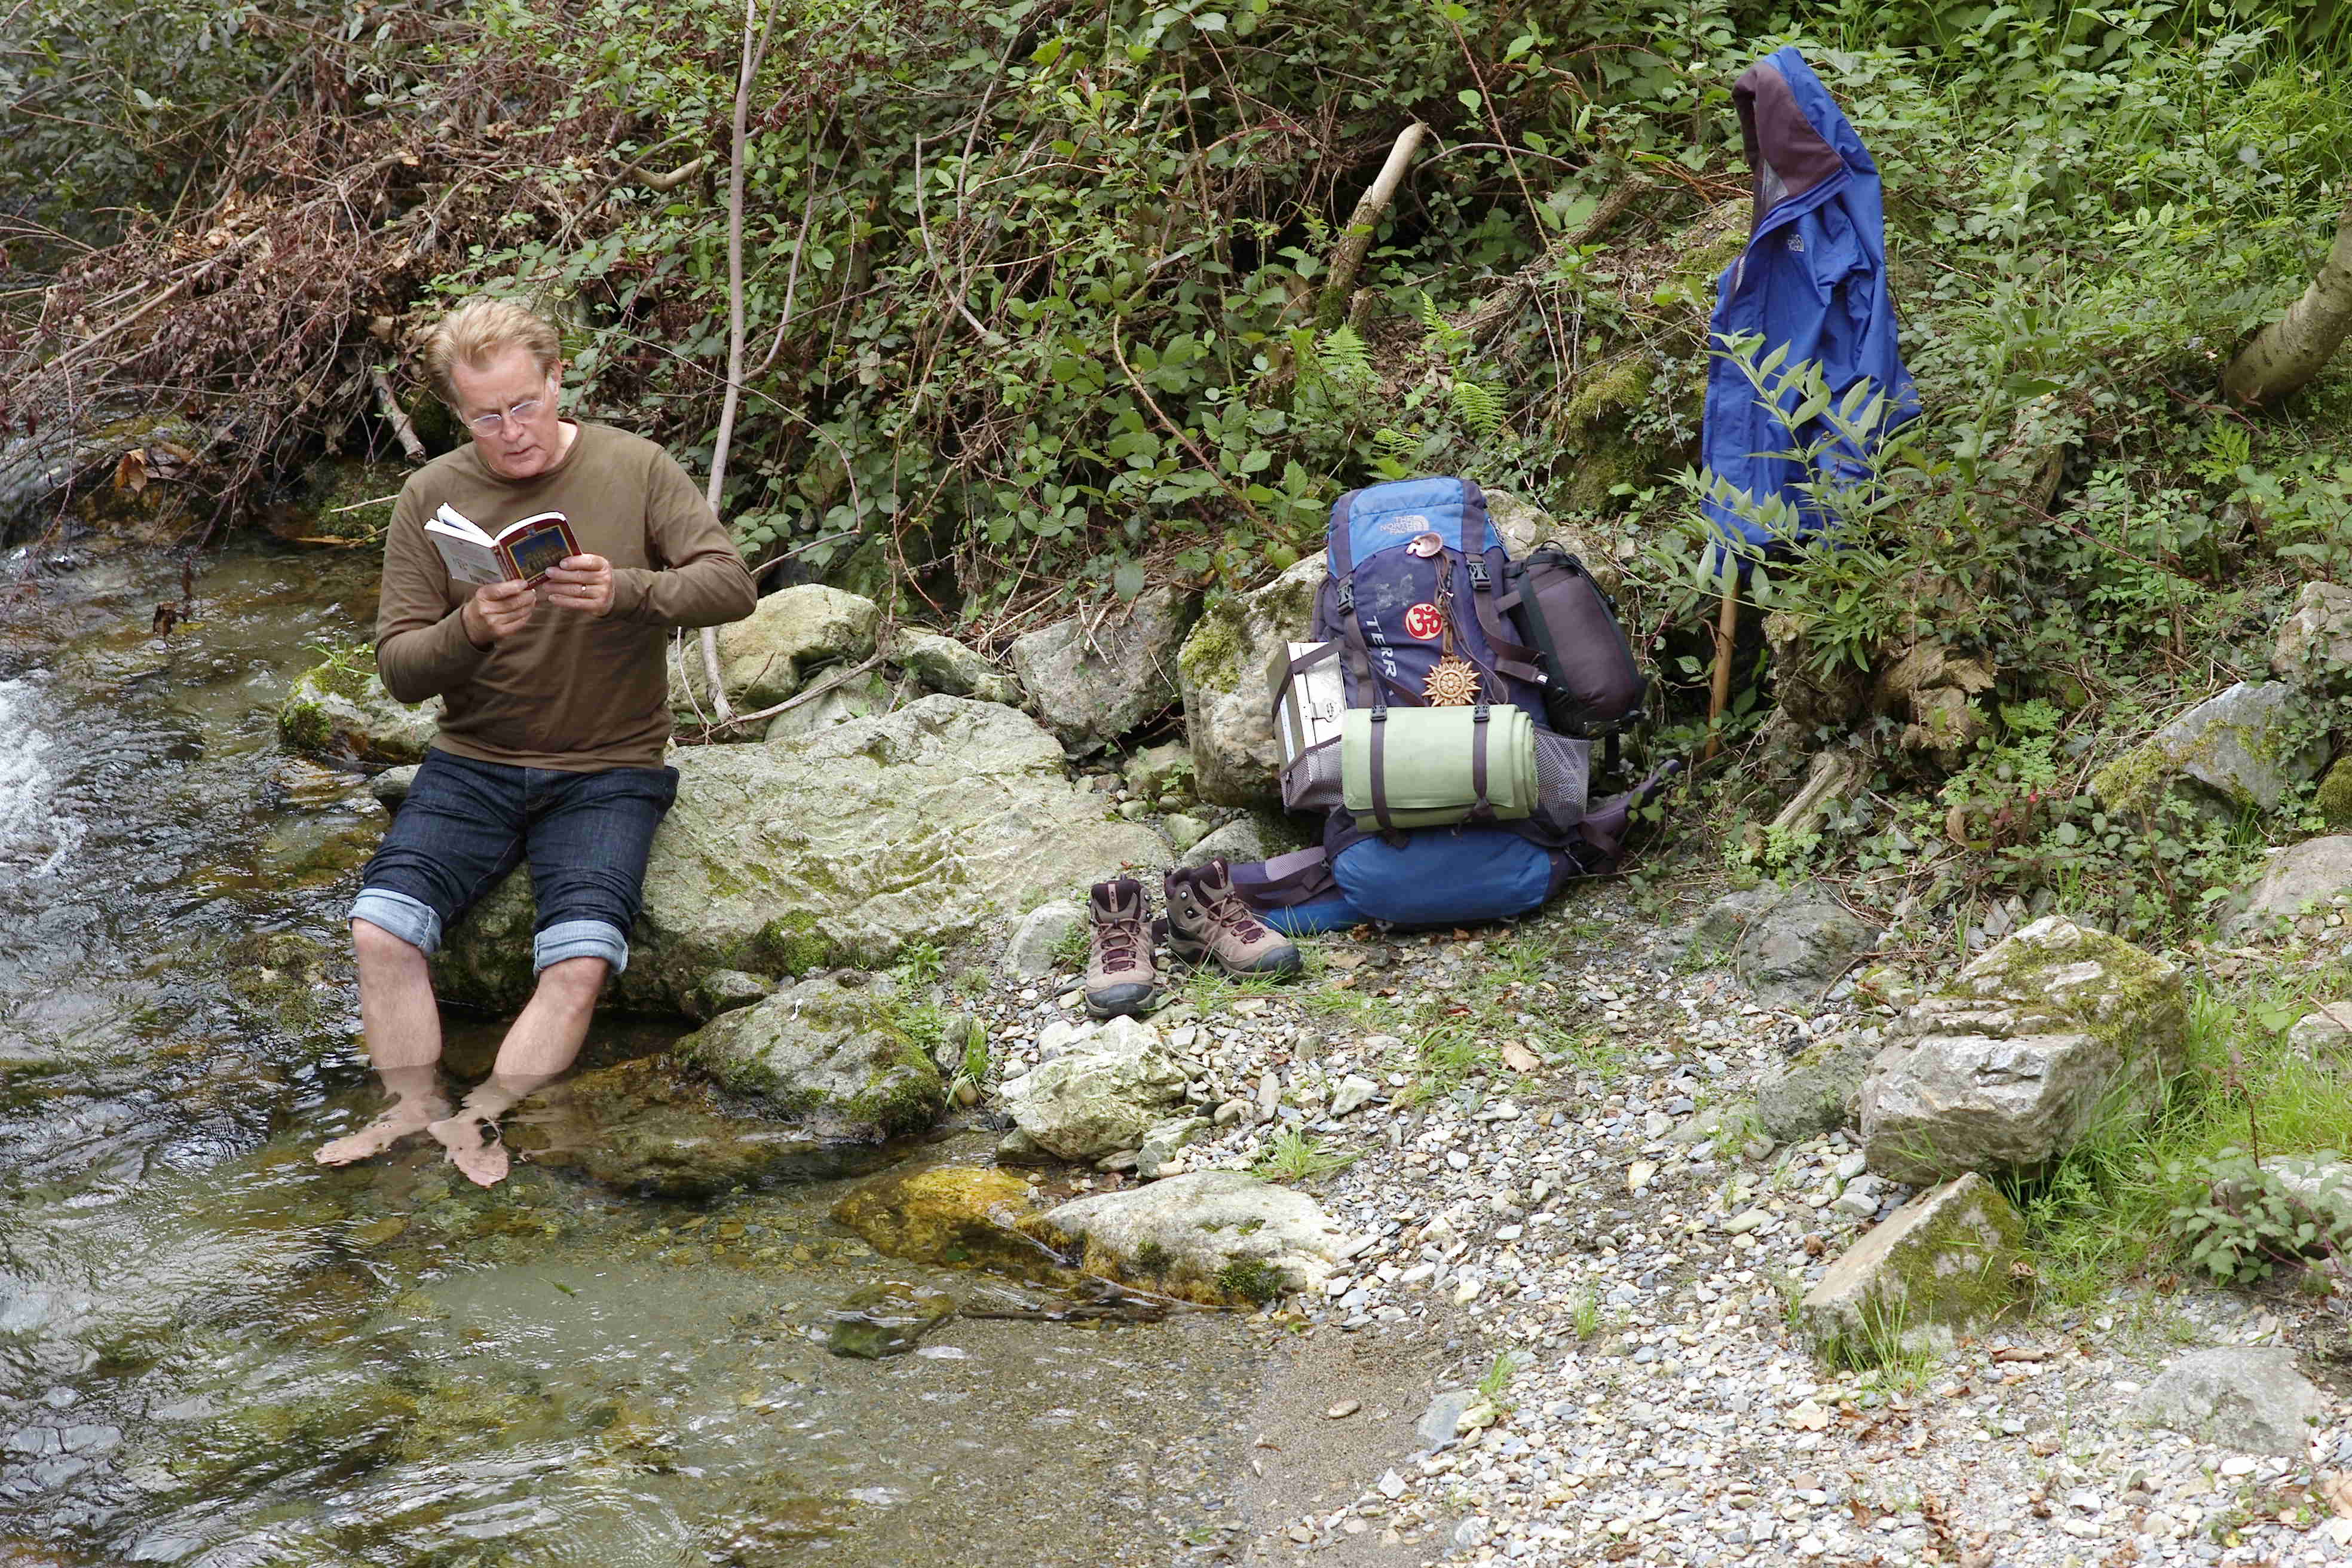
(961, 1215)
(1946, 1261)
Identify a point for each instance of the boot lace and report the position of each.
(1225, 908)
(1120, 941)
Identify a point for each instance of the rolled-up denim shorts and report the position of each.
(467, 824)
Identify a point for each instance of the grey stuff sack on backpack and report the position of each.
(1591, 687)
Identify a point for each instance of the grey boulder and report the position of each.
(1816, 1089)
(2306, 878)
(942, 664)
(1227, 708)
(2240, 749)
(1029, 955)
(2314, 647)
(2325, 1030)
(1107, 1091)
(924, 825)
(2054, 1031)
(867, 696)
(2251, 1399)
(1788, 948)
(1216, 1236)
(831, 1055)
(766, 656)
(1094, 676)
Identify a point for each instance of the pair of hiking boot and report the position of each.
(1207, 922)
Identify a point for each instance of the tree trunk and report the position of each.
(2287, 354)
(1356, 240)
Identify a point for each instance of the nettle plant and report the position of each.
(2250, 1221)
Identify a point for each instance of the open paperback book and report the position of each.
(521, 551)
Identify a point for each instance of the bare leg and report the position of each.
(403, 1025)
(542, 1044)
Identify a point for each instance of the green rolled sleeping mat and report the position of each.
(1427, 767)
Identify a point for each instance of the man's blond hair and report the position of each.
(478, 331)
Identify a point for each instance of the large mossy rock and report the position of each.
(1943, 1263)
(922, 825)
(2057, 1030)
(1215, 1236)
(768, 656)
(652, 1129)
(339, 712)
(959, 1215)
(1114, 1084)
(2239, 751)
(1094, 679)
(1221, 671)
(831, 1055)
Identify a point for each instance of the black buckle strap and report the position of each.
(1478, 718)
(1379, 770)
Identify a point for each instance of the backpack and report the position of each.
(1418, 605)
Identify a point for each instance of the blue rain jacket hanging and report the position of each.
(1811, 286)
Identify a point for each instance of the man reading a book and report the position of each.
(551, 749)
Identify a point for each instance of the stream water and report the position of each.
(214, 1352)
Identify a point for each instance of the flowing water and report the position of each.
(214, 1352)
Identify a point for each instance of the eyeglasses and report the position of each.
(520, 412)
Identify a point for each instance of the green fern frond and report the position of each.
(1480, 407)
(1444, 336)
(1343, 357)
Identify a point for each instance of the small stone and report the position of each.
(1344, 1409)
(1353, 1093)
(1638, 1175)
(1440, 1422)
(1183, 831)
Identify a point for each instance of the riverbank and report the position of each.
(1596, 1260)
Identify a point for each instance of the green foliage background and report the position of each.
(1032, 297)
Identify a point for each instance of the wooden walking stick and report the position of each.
(1727, 626)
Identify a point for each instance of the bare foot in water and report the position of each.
(408, 1115)
(472, 1140)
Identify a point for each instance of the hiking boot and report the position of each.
(1208, 922)
(1121, 977)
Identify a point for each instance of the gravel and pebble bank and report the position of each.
(1548, 1160)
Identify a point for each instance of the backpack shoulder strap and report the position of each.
(1512, 657)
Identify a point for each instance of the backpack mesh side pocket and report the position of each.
(1310, 782)
(1563, 778)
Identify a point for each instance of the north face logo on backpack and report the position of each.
(1404, 523)
(1423, 621)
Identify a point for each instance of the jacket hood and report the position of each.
(1798, 138)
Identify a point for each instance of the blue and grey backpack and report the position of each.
(1419, 600)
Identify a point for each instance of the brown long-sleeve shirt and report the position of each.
(569, 691)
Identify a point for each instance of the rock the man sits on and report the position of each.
(550, 750)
